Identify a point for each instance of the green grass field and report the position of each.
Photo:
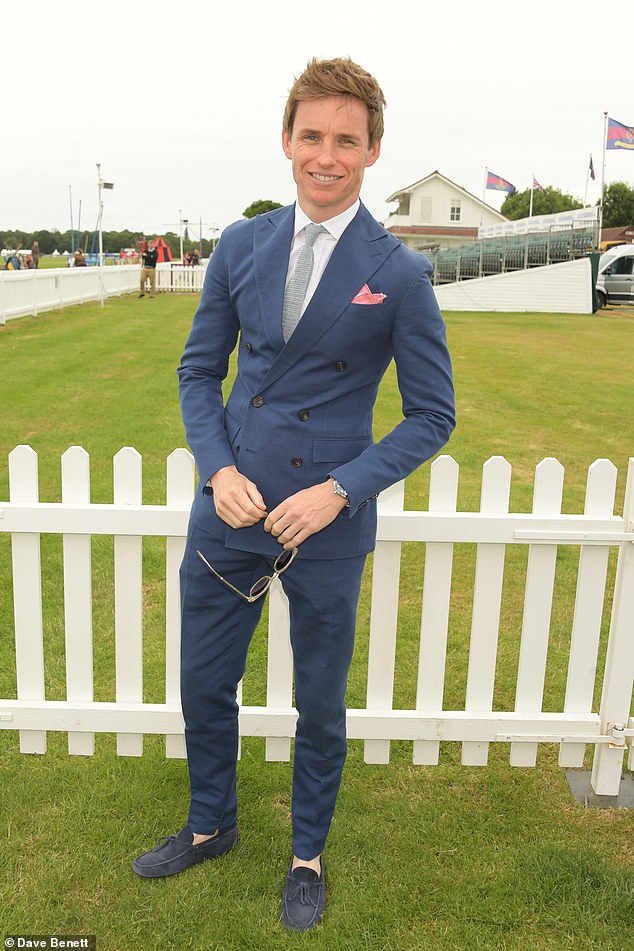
(443, 858)
(48, 261)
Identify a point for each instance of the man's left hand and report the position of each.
(301, 515)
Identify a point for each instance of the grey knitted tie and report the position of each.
(298, 284)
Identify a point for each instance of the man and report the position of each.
(148, 271)
(289, 467)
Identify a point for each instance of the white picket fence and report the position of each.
(492, 529)
(33, 292)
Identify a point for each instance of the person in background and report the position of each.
(148, 271)
(35, 255)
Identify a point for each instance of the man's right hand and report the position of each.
(237, 499)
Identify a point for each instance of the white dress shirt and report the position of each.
(324, 245)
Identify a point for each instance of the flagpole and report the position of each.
(72, 230)
(605, 146)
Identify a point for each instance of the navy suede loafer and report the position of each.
(304, 898)
(175, 853)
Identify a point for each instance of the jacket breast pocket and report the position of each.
(369, 312)
(339, 448)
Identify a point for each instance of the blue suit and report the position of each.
(297, 413)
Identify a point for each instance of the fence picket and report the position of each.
(487, 599)
(589, 600)
(239, 702)
(78, 596)
(618, 679)
(383, 620)
(128, 590)
(180, 489)
(538, 597)
(279, 676)
(27, 594)
(443, 494)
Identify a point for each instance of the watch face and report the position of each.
(339, 489)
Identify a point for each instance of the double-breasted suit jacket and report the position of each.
(302, 410)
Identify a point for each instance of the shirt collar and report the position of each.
(334, 226)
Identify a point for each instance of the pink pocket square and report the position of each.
(365, 296)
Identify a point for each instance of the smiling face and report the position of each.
(330, 150)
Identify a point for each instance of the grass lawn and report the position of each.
(443, 858)
(48, 261)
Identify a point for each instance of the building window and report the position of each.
(622, 266)
(403, 205)
(454, 214)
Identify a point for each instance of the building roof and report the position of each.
(624, 233)
(436, 174)
(431, 229)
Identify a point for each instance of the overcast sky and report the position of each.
(181, 103)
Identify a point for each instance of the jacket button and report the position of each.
(297, 462)
(303, 415)
(340, 366)
(249, 347)
(237, 449)
(257, 401)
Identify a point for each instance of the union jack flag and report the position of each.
(536, 186)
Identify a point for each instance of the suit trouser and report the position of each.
(217, 627)
(148, 273)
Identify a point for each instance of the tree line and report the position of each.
(113, 241)
(618, 204)
(618, 211)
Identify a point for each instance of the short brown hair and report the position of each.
(337, 77)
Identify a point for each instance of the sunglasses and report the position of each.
(262, 585)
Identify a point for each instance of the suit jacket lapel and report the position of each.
(272, 240)
(361, 250)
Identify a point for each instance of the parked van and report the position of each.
(615, 282)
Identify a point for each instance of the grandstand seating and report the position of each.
(511, 253)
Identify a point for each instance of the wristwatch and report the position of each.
(339, 490)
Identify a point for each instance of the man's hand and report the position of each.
(237, 499)
(301, 515)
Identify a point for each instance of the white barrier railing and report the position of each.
(492, 530)
(181, 277)
(24, 293)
